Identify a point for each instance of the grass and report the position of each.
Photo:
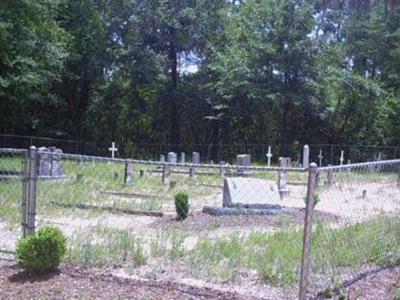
(276, 257)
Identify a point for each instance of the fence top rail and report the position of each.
(13, 150)
(171, 164)
(357, 165)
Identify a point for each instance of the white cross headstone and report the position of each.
(269, 155)
(112, 149)
(341, 159)
(320, 157)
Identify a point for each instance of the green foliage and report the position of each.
(265, 71)
(42, 251)
(181, 205)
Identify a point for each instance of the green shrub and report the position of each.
(182, 205)
(43, 251)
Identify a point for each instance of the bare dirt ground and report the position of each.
(76, 282)
(73, 282)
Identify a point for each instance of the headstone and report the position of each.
(44, 166)
(283, 176)
(320, 158)
(306, 156)
(269, 156)
(49, 162)
(172, 157)
(341, 159)
(182, 158)
(56, 166)
(141, 173)
(162, 158)
(250, 192)
(113, 149)
(128, 173)
(196, 158)
(243, 160)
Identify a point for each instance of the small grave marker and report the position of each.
(113, 149)
(341, 159)
(306, 156)
(320, 158)
(269, 156)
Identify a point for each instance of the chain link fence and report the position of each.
(360, 237)
(12, 191)
(246, 228)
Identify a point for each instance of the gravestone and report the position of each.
(162, 158)
(249, 192)
(306, 156)
(243, 160)
(182, 161)
(196, 158)
(49, 162)
(172, 157)
(128, 173)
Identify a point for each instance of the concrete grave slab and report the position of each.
(250, 192)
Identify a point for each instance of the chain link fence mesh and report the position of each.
(124, 213)
(243, 231)
(12, 176)
(361, 236)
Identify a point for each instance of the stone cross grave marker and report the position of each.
(113, 149)
(306, 156)
(249, 192)
(320, 158)
(269, 156)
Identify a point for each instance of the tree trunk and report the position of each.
(174, 113)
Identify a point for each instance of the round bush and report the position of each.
(43, 251)
(182, 205)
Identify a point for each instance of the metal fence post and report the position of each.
(305, 259)
(31, 188)
(398, 176)
(24, 198)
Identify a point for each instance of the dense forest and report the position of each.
(202, 71)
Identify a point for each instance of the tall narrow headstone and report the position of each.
(341, 159)
(320, 158)
(269, 156)
(128, 172)
(306, 156)
(283, 177)
(162, 158)
(183, 158)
